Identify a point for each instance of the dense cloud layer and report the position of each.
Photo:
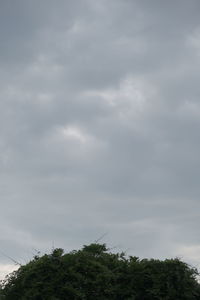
(99, 126)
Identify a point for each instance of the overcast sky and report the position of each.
(100, 127)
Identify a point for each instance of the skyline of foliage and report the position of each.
(94, 272)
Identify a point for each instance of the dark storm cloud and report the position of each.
(99, 125)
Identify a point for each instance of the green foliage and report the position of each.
(95, 273)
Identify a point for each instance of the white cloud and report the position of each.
(6, 269)
(193, 40)
(189, 253)
(71, 132)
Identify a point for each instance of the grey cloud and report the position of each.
(99, 116)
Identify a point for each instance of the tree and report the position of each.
(95, 273)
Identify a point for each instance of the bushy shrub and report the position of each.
(95, 273)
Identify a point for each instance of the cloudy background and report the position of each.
(100, 127)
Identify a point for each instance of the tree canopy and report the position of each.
(96, 273)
